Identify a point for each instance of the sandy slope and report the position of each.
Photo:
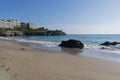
(18, 62)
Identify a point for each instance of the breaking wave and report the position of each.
(50, 44)
(43, 43)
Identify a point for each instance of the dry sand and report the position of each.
(18, 62)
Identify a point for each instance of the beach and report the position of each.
(19, 62)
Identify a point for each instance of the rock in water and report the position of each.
(107, 43)
(72, 44)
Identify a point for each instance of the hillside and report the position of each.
(26, 31)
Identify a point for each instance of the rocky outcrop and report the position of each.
(11, 33)
(72, 44)
(107, 43)
(22, 31)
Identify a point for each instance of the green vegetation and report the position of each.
(26, 31)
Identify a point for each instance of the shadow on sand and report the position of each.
(72, 51)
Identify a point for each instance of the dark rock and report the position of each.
(72, 44)
(107, 43)
(103, 48)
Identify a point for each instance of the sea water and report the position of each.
(91, 41)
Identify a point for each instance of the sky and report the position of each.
(71, 16)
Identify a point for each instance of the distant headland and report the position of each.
(17, 28)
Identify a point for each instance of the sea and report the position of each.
(92, 42)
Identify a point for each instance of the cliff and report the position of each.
(17, 28)
(26, 31)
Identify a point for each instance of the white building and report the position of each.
(32, 25)
(9, 23)
(15, 23)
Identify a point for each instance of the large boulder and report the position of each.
(107, 43)
(72, 44)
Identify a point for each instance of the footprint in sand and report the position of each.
(22, 49)
(7, 69)
(3, 58)
(15, 75)
(3, 65)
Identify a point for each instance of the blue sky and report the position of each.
(71, 16)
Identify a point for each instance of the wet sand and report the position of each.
(18, 62)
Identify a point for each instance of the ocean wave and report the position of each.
(5, 38)
(106, 49)
(42, 43)
(89, 46)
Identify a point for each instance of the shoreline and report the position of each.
(19, 62)
(88, 52)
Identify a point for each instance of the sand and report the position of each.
(18, 62)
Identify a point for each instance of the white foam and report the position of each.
(110, 49)
(43, 43)
(88, 46)
(105, 49)
(5, 38)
